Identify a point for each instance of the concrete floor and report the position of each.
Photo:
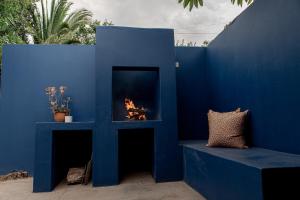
(136, 187)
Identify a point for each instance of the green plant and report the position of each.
(86, 33)
(197, 3)
(183, 43)
(57, 100)
(57, 24)
(15, 22)
(205, 43)
(36, 21)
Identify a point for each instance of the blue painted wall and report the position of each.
(255, 64)
(192, 93)
(27, 71)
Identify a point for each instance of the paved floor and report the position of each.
(137, 187)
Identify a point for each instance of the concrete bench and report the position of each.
(241, 174)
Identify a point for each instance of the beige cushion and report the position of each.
(227, 129)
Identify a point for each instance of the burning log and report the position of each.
(134, 113)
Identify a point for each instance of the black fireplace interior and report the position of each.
(70, 149)
(139, 84)
(136, 151)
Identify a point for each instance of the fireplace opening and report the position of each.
(71, 149)
(136, 152)
(135, 93)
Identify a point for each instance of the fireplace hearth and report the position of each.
(135, 93)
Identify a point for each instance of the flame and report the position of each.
(134, 112)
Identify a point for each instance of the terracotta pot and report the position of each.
(59, 116)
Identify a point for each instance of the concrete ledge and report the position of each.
(226, 173)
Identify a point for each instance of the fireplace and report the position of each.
(135, 76)
(135, 93)
(135, 151)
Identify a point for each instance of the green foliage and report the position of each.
(43, 21)
(240, 2)
(205, 43)
(183, 43)
(57, 24)
(196, 3)
(0, 59)
(86, 33)
(191, 3)
(15, 20)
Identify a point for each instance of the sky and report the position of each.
(197, 26)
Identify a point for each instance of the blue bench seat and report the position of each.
(241, 174)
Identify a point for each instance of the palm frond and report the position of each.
(44, 21)
(37, 28)
(191, 3)
(240, 2)
(56, 24)
(61, 12)
(79, 17)
(52, 12)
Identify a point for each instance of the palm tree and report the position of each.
(197, 3)
(57, 24)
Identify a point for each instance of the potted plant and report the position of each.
(59, 104)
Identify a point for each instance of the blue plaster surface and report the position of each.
(255, 64)
(254, 157)
(27, 71)
(218, 178)
(229, 174)
(192, 93)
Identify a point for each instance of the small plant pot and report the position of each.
(68, 119)
(59, 116)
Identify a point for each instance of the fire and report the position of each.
(134, 113)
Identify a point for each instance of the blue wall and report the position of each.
(27, 71)
(23, 101)
(192, 90)
(255, 64)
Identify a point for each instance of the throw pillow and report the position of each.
(227, 129)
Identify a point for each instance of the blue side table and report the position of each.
(43, 164)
